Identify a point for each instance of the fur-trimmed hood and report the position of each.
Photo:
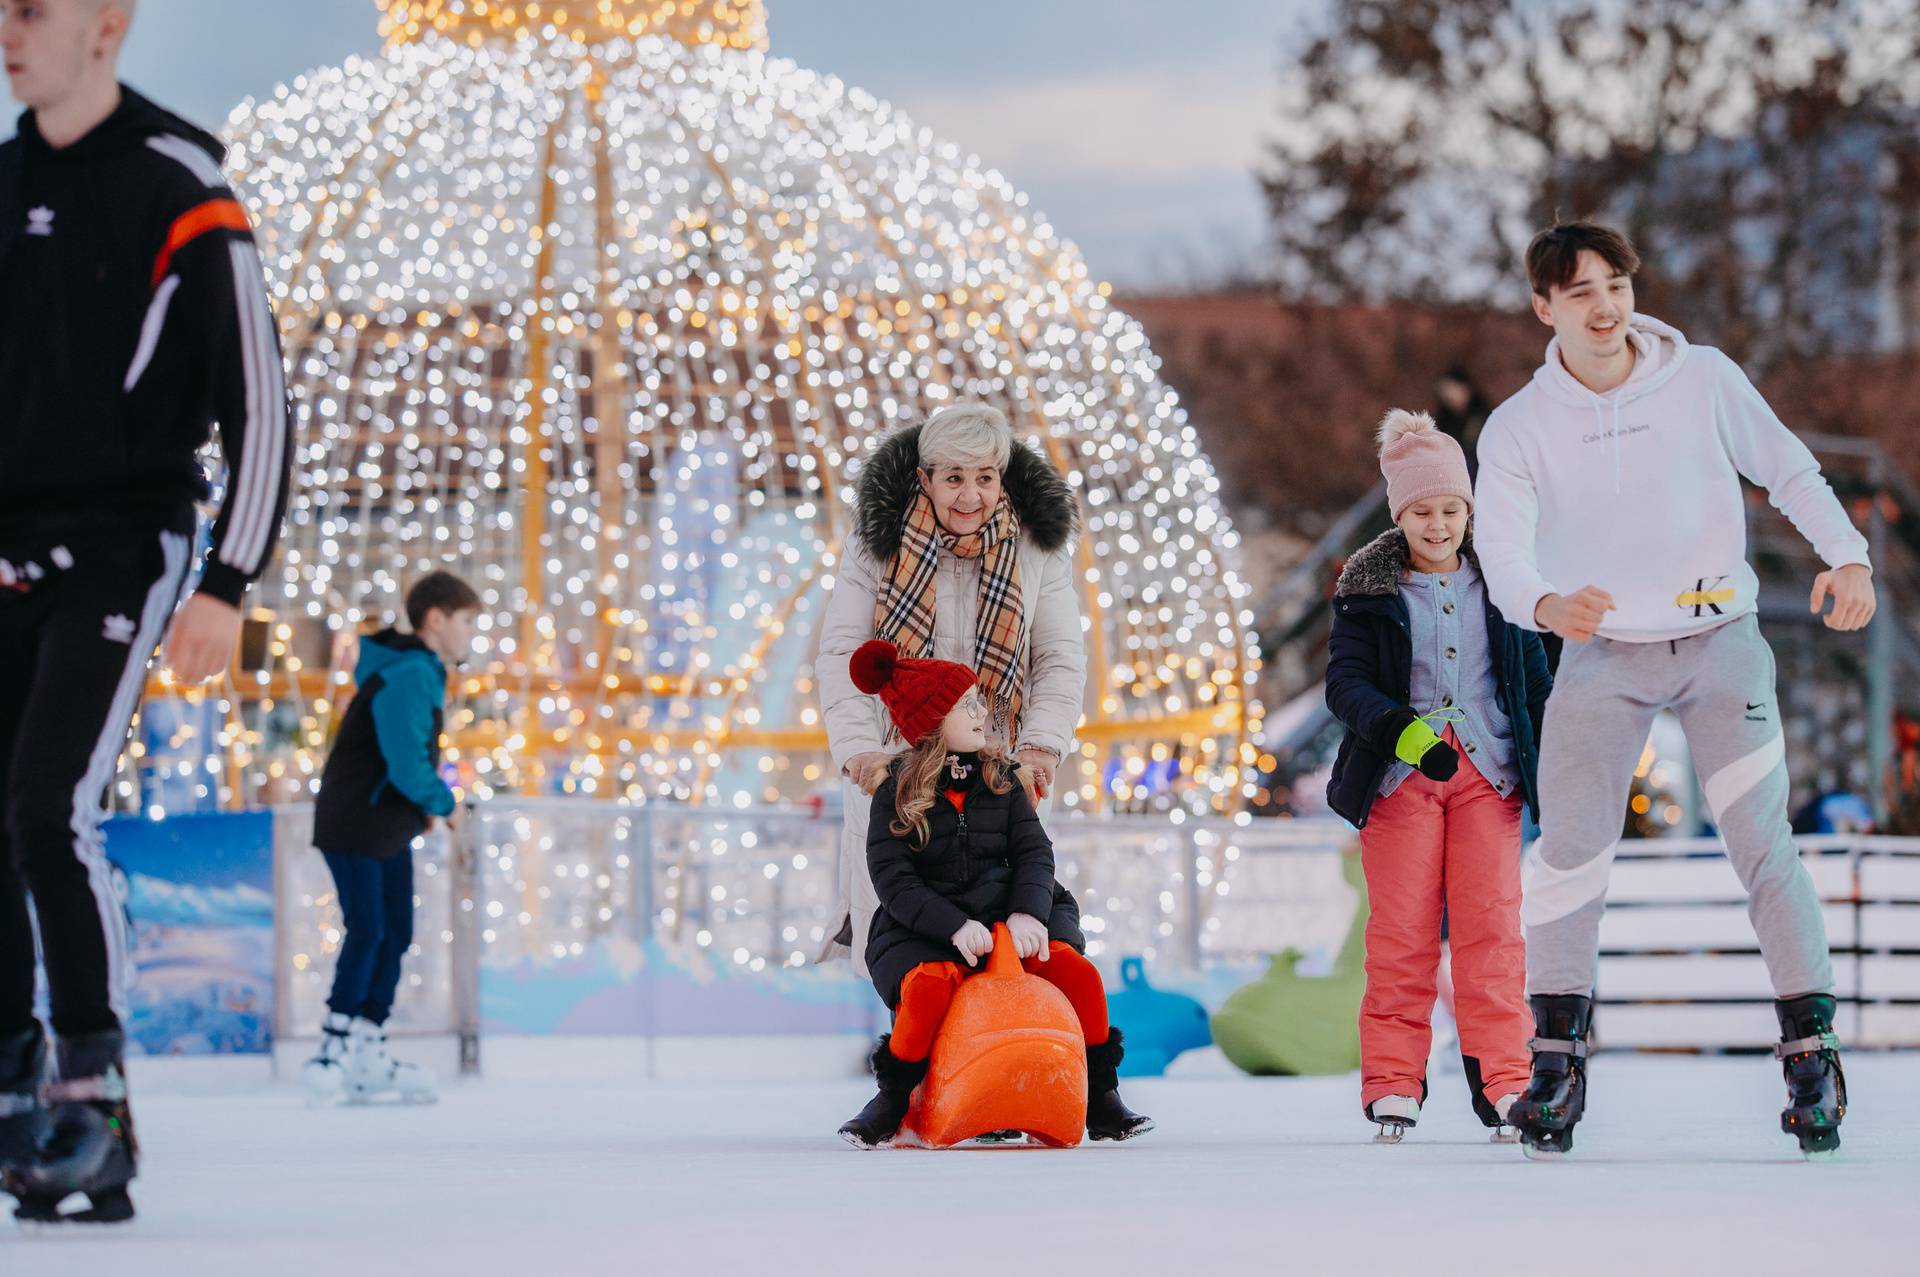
(1041, 498)
(1375, 568)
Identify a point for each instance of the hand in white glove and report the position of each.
(1029, 936)
(974, 942)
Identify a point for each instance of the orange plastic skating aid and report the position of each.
(1009, 1057)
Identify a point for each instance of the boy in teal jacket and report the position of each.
(380, 791)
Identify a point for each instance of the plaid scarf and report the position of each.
(904, 614)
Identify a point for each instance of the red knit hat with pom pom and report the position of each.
(917, 693)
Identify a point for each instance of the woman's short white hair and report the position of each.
(966, 434)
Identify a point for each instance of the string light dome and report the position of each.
(599, 305)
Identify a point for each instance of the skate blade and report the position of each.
(1504, 1135)
(1389, 1133)
(1001, 1138)
(1819, 1137)
(1119, 1137)
(1820, 1145)
(1544, 1152)
(41, 1215)
(855, 1141)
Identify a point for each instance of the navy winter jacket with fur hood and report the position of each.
(1370, 674)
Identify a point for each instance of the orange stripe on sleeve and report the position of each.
(214, 215)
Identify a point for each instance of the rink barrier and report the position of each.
(1680, 970)
(1203, 901)
(1209, 899)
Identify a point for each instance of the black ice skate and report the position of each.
(1108, 1117)
(1809, 1053)
(876, 1124)
(23, 1066)
(1556, 1095)
(89, 1146)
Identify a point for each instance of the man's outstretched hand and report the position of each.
(1853, 599)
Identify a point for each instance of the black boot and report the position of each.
(23, 1067)
(876, 1123)
(1809, 1052)
(89, 1147)
(1556, 1095)
(1108, 1117)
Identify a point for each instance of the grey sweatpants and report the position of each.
(1721, 686)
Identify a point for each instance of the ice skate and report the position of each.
(325, 1075)
(373, 1075)
(1556, 1096)
(88, 1149)
(876, 1124)
(23, 1066)
(1108, 1117)
(1395, 1115)
(1505, 1133)
(1809, 1054)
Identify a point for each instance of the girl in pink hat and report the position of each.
(1442, 700)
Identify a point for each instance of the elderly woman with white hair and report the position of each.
(962, 550)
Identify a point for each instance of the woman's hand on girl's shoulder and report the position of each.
(1041, 763)
(868, 770)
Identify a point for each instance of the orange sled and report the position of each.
(1010, 1056)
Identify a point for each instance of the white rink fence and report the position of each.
(569, 916)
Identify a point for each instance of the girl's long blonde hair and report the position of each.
(918, 778)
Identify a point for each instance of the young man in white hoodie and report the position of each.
(1609, 511)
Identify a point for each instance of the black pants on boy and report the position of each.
(80, 619)
(376, 908)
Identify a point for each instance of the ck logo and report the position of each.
(1707, 594)
(40, 221)
(118, 629)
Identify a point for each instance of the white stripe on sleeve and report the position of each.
(150, 330)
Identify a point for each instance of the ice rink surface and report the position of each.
(562, 1161)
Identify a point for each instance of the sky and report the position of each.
(1134, 125)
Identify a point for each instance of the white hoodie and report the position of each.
(1638, 491)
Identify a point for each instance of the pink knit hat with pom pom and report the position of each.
(1420, 462)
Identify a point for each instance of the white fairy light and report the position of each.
(598, 305)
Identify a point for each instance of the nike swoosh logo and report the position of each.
(1756, 705)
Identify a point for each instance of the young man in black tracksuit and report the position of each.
(133, 316)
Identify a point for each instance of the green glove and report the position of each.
(1415, 742)
(1420, 746)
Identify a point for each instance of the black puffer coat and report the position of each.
(986, 861)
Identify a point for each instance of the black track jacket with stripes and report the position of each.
(133, 316)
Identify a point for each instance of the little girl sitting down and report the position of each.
(955, 846)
